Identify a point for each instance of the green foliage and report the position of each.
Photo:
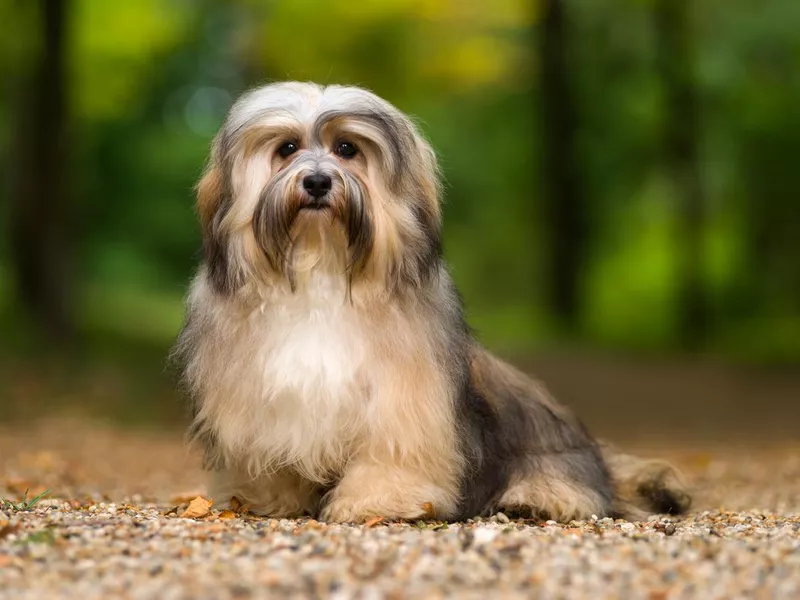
(116, 50)
(43, 536)
(150, 81)
(24, 504)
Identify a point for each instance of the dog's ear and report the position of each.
(210, 194)
(427, 181)
(422, 254)
(213, 201)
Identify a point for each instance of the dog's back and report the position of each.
(552, 466)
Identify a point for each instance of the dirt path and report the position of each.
(110, 529)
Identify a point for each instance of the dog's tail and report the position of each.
(644, 487)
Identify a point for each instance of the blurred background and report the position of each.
(622, 190)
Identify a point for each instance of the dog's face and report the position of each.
(331, 173)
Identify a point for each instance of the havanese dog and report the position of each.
(325, 349)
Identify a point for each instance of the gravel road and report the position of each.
(112, 527)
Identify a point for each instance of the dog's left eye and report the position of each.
(346, 149)
(287, 149)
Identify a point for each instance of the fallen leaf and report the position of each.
(227, 514)
(16, 485)
(22, 487)
(186, 497)
(6, 530)
(236, 504)
(372, 522)
(170, 511)
(198, 508)
(429, 510)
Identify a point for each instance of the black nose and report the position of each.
(317, 185)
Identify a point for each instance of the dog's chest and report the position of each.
(309, 350)
(298, 395)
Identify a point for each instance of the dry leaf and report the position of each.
(372, 522)
(429, 511)
(16, 485)
(227, 514)
(7, 529)
(186, 497)
(198, 508)
(237, 506)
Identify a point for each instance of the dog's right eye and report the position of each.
(287, 149)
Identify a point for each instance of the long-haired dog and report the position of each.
(325, 350)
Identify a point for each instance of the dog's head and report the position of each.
(302, 174)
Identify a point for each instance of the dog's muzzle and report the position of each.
(317, 185)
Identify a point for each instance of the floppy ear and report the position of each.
(213, 200)
(210, 193)
(423, 253)
(427, 177)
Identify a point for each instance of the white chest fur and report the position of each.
(284, 382)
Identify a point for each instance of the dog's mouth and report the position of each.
(315, 205)
(311, 204)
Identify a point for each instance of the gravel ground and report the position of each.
(112, 526)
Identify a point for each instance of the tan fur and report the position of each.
(549, 494)
(639, 482)
(325, 352)
(282, 493)
(398, 444)
(209, 195)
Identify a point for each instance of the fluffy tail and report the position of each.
(644, 487)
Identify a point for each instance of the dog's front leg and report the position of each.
(278, 494)
(409, 465)
(372, 488)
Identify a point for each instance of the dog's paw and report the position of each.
(359, 510)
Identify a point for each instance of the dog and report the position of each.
(325, 351)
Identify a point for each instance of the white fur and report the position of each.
(298, 380)
(301, 102)
(284, 377)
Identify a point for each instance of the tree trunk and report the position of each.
(675, 63)
(564, 202)
(39, 229)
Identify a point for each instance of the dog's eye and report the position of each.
(287, 149)
(346, 149)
